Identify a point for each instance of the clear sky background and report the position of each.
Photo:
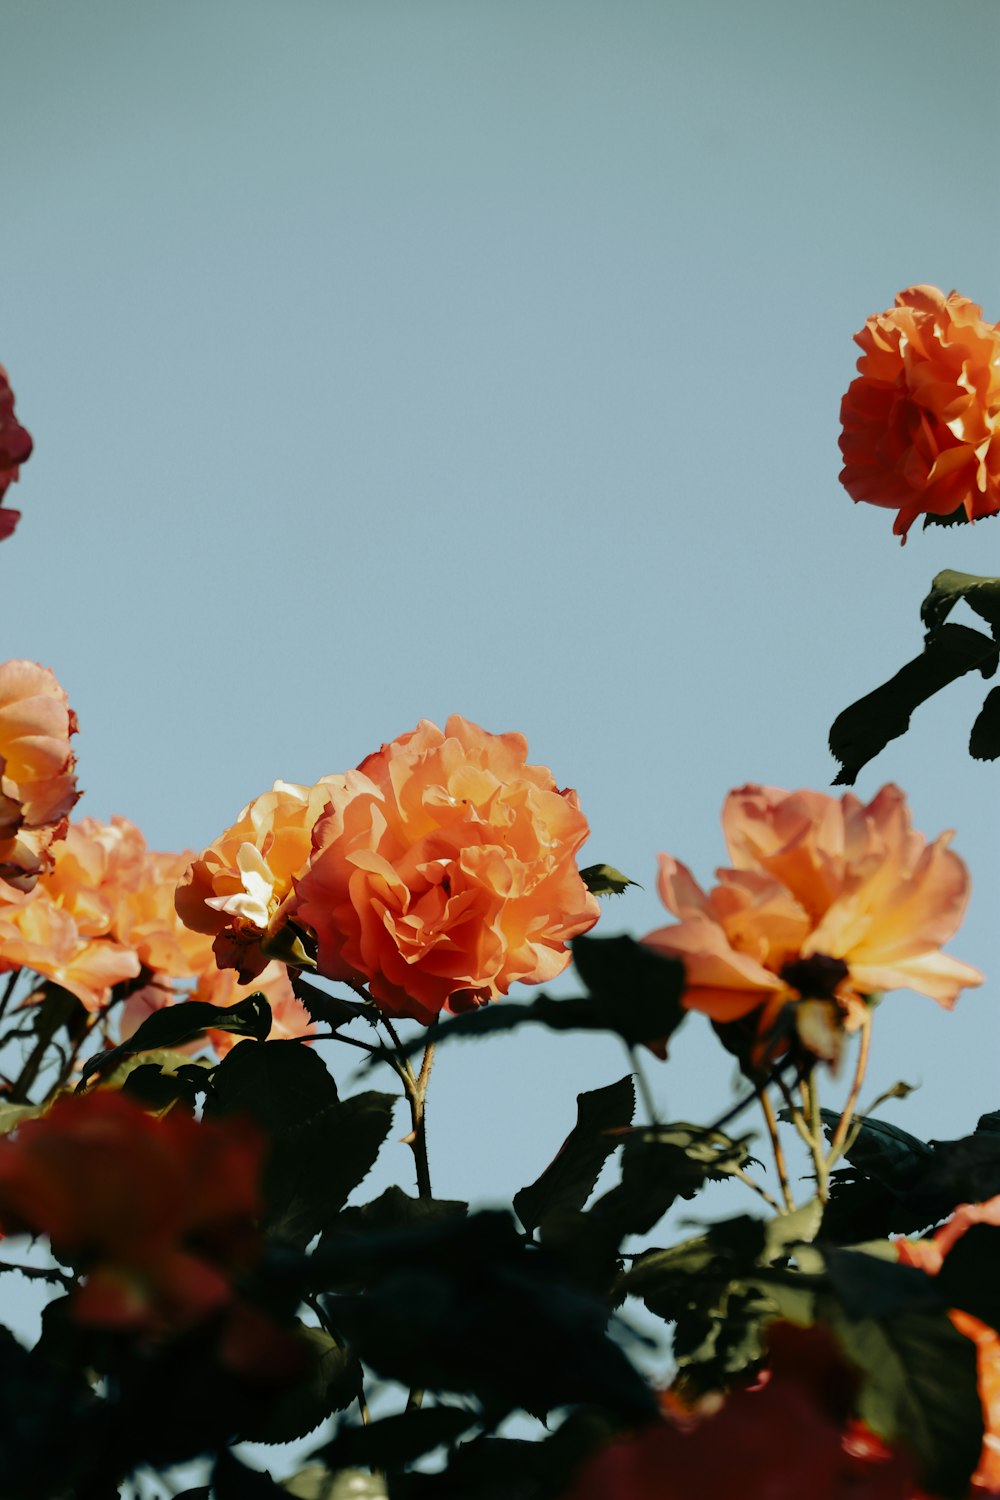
(386, 360)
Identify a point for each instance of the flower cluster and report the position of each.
(921, 423)
(103, 915)
(156, 1214)
(827, 901)
(15, 449)
(438, 873)
(37, 770)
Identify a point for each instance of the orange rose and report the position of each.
(921, 424)
(444, 870)
(827, 902)
(15, 449)
(239, 890)
(37, 769)
(38, 934)
(930, 1255)
(156, 1213)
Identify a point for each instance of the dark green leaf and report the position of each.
(175, 1024)
(233, 1480)
(956, 517)
(982, 595)
(968, 1279)
(333, 1382)
(394, 1210)
(280, 1084)
(784, 1233)
(882, 1150)
(637, 992)
(605, 880)
(329, 1009)
(569, 1179)
(443, 1313)
(984, 741)
(634, 993)
(868, 1286)
(667, 1280)
(866, 727)
(920, 1390)
(398, 1440)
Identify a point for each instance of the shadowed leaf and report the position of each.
(634, 993)
(333, 1382)
(175, 1024)
(866, 727)
(919, 1389)
(984, 741)
(981, 594)
(569, 1179)
(605, 880)
(399, 1439)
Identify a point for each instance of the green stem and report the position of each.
(810, 1100)
(778, 1151)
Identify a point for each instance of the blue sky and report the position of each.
(386, 360)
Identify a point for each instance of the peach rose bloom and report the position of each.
(15, 449)
(238, 891)
(38, 934)
(827, 901)
(103, 914)
(921, 423)
(444, 871)
(930, 1255)
(37, 769)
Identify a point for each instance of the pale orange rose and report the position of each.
(102, 914)
(238, 891)
(15, 449)
(37, 769)
(445, 870)
(827, 901)
(921, 423)
(38, 934)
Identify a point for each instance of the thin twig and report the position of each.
(839, 1140)
(758, 1188)
(810, 1103)
(38, 1273)
(794, 1112)
(8, 991)
(780, 1164)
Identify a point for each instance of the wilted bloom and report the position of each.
(827, 901)
(155, 1214)
(444, 871)
(239, 891)
(794, 1436)
(921, 423)
(15, 449)
(37, 769)
(930, 1256)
